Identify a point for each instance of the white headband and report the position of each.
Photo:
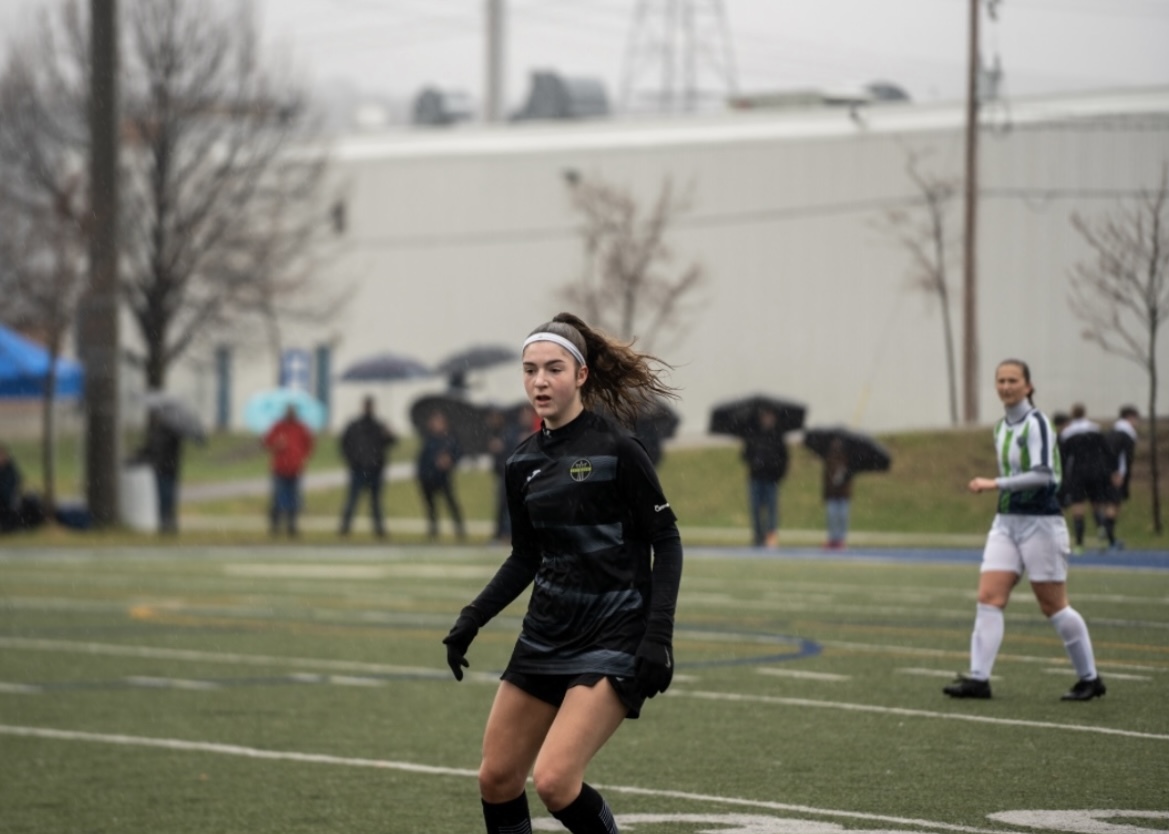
(545, 336)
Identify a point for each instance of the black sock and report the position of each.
(587, 814)
(508, 817)
(1078, 527)
(1109, 525)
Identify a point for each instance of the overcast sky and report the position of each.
(398, 46)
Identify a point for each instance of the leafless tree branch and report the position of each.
(1121, 291)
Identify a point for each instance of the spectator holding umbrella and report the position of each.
(163, 450)
(365, 445)
(846, 453)
(761, 421)
(765, 454)
(437, 459)
(290, 444)
(837, 492)
(508, 427)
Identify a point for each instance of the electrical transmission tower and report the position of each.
(679, 56)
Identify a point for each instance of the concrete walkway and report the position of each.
(244, 487)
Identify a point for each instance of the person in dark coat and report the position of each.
(437, 460)
(164, 452)
(9, 492)
(837, 492)
(506, 433)
(365, 445)
(1122, 442)
(766, 457)
(1088, 470)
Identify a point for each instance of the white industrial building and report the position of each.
(462, 236)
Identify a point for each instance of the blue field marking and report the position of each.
(1154, 560)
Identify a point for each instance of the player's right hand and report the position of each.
(459, 640)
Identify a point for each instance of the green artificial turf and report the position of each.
(304, 689)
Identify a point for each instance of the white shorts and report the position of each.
(1037, 543)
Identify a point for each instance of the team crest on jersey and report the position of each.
(580, 470)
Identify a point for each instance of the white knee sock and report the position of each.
(985, 641)
(1074, 632)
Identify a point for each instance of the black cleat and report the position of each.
(966, 687)
(1085, 690)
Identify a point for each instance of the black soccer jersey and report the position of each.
(585, 504)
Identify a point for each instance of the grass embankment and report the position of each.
(922, 500)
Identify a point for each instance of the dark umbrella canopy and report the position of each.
(476, 358)
(656, 423)
(467, 421)
(176, 414)
(864, 454)
(385, 367)
(741, 417)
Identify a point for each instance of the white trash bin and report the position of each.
(138, 497)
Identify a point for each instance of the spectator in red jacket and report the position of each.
(290, 444)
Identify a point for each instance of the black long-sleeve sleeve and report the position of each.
(667, 579)
(515, 574)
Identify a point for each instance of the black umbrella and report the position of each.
(657, 422)
(467, 421)
(176, 414)
(741, 417)
(476, 358)
(385, 367)
(864, 454)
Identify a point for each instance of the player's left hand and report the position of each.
(655, 666)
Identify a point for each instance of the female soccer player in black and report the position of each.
(592, 529)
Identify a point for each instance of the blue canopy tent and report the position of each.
(24, 369)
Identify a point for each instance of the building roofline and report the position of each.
(744, 126)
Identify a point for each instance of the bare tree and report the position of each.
(43, 205)
(222, 193)
(221, 177)
(627, 286)
(925, 236)
(1121, 292)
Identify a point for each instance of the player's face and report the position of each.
(552, 382)
(1011, 384)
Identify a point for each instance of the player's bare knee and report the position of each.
(500, 784)
(556, 787)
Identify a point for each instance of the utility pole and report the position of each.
(970, 380)
(494, 104)
(99, 313)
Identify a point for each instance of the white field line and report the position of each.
(781, 672)
(376, 668)
(411, 767)
(20, 688)
(932, 673)
(887, 649)
(170, 683)
(36, 644)
(1111, 675)
(734, 697)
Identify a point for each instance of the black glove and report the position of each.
(655, 666)
(459, 640)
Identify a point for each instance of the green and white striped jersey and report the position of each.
(1029, 465)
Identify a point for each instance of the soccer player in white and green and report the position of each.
(1028, 533)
